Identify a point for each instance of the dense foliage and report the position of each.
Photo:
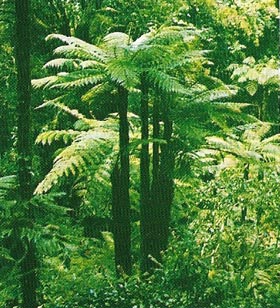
(142, 168)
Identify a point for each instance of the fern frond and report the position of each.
(92, 64)
(49, 137)
(153, 56)
(216, 94)
(228, 145)
(117, 39)
(7, 182)
(73, 112)
(173, 34)
(256, 132)
(95, 91)
(184, 58)
(45, 82)
(142, 41)
(80, 53)
(271, 152)
(79, 79)
(272, 139)
(60, 63)
(78, 47)
(123, 73)
(165, 82)
(87, 151)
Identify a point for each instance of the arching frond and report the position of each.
(95, 91)
(173, 34)
(88, 150)
(79, 78)
(45, 82)
(142, 41)
(256, 132)
(216, 94)
(185, 57)
(272, 139)
(165, 82)
(271, 152)
(78, 47)
(152, 56)
(62, 63)
(92, 64)
(73, 112)
(49, 137)
(227, 145)
(70, 51)
(70, 40)
(117, 39)
(123, 72)
(249, 147)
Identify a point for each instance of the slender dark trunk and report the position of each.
(145, 208)
(155, 212)
(28, 257)
(4, 127)
(166, 181)
(155, 200)
(156, 137)
(120, 193)
(163, 187)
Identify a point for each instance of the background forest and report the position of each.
(139, 154)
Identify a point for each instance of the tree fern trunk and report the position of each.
(166, 182)
(162, 188)
(156, 137)
(120, 193)
(145, 209)
(155, 200)
(28, 259)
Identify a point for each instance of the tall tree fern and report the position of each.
(90, 67)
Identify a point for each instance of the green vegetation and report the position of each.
(139, 154)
